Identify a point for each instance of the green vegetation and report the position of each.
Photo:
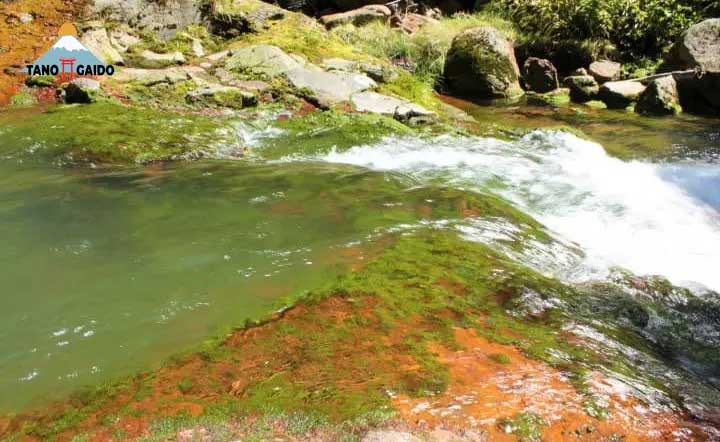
(525, 425)
(108, 132)
(636, 27)
(500, 358)
(423, 52)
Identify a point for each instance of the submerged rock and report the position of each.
(540, 75)
(605, 70)
(583, 88)
(357, 17)
(481, 64)
(620, 94)
(402, 110)
(660, 98)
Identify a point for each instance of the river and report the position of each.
(109, 270)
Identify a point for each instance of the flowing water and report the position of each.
(106, 271)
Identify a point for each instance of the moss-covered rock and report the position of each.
(660, 98)
(481, 64)
(40, 81)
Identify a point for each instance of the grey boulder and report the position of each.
(620, 94)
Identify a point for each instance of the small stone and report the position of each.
(25, 18)
(218, 55)
(197, 48)
(389, 436)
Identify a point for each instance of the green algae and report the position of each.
(319, 131)
(107, 132)
(527, 426)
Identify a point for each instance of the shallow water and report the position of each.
(107, 271)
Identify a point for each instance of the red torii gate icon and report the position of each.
(67, 62)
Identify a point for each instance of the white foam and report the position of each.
(621, 213)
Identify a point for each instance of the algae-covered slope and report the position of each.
(433, 327)
(109, 133)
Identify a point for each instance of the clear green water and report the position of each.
(106, 272)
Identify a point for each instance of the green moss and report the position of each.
(23, 98)
(297, 34)
(320, 131)
(119, 134)
(40, 81)
(527, 426)
(500, 358)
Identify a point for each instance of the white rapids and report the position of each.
(627, 214)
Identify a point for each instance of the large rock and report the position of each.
(698, 47)
(152, 77)
(123, 40)
(620, 94)
(583, 88)
(481, 64)
(374, 71)
(357, 17)
(605, 70)
(225, 96)
(540, 75)
(231, 18)
(153, 60)
(402, 110)
(411, 22)
(264, 60)
(329, 88)
(660, 98)
(164, 17)
(97, 40)
(81, 90)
